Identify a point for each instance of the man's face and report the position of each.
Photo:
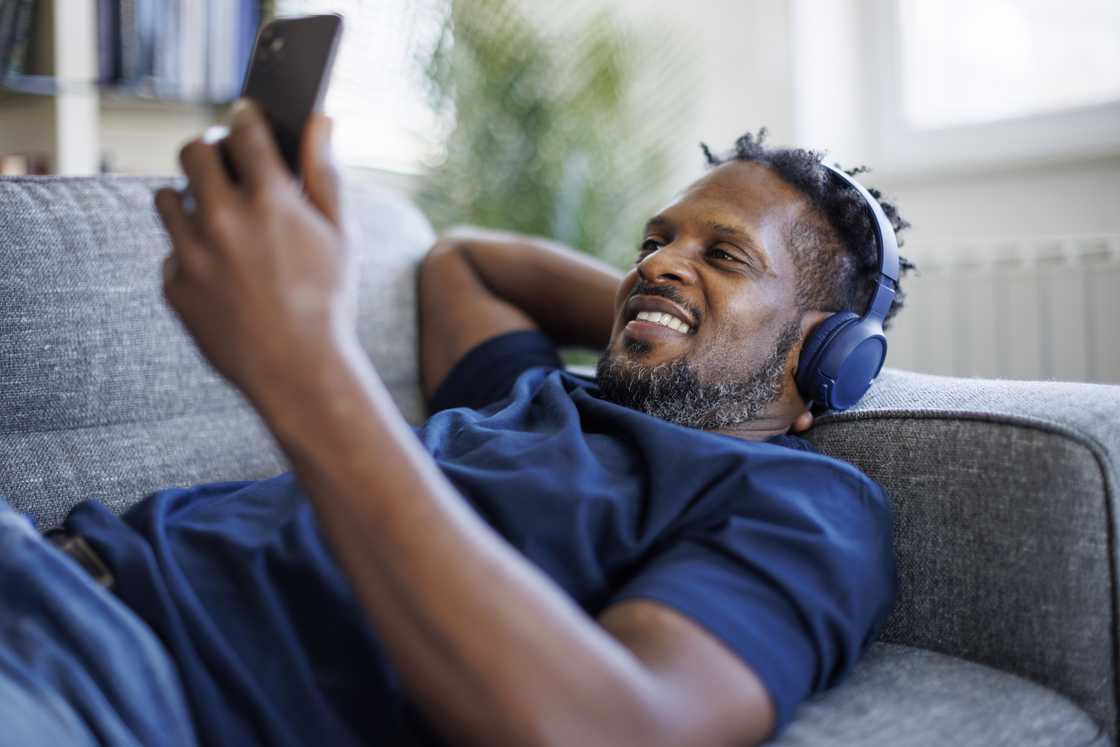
(716, 260)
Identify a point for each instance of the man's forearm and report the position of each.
(493, 651)
(569, 294)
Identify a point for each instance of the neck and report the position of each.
(757, 430)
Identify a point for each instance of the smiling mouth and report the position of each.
(665, 320)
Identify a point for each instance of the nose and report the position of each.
(667, 264)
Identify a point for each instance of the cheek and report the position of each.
(739, 333)
(629, 280)
(729, 344)
(750, 310)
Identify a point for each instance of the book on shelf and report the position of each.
(182, 49)
(108, 43)
(15, 35)
(7, 18)
(190, 50)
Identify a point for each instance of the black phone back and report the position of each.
(288, 75)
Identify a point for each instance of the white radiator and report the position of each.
(1040, 308)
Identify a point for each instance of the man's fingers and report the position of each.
(320, 176)
(170, 267)
(253, 149)
(169, 205)
(187, 254)
(209, 184)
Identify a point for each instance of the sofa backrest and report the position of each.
(1005, 493)
(1005, 499)
(102, 392)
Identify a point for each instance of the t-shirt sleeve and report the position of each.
(487, 372)
(795, 585)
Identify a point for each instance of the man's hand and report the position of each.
(260, 273)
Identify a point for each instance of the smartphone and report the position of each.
(287, 78)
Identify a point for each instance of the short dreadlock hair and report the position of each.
(833, 246)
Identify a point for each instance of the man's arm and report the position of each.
(492, 650)
(475, 284)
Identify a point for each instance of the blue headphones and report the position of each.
(843, 355)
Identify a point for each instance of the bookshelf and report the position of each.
(59, 115)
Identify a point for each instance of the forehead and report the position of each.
(745, 195)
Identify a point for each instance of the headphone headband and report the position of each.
(844, 354)
(886, 243)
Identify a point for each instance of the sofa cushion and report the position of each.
(899, 696)
(1005, 498)
(102, 393)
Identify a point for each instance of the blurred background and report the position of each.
(994, 125)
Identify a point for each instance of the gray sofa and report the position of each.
(1006, 627)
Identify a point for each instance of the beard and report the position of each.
(674, 392)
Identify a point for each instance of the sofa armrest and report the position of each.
(1005, 499)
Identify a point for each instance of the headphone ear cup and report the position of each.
(808, 377)
(851, 361)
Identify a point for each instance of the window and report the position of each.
(965, 62)
(377, 94)
(958, 85)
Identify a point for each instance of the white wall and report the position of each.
(27, 124)
(1054, 199)
(741, 53)
(144, 137)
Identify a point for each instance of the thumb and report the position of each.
(320, 175)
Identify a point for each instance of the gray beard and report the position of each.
(673, 391)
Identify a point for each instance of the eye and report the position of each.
(648, 246)
(721, 254)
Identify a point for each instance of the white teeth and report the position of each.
(665, 320)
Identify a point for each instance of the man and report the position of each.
(649, 560)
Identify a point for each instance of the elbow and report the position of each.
(455, 239)
(609, 723)
(615, 717)
(444, 245)
(453, 242)
(445, 257)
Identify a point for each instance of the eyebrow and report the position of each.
(726, 231)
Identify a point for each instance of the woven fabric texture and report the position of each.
(906, 697)
(102, 393)
(1005, 501)
(1005, 492)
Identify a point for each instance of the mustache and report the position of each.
(643, 288)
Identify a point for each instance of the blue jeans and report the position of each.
(77, 666)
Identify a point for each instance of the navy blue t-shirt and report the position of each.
(781, 553)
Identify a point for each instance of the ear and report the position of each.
(809, 321)
(802, 422)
